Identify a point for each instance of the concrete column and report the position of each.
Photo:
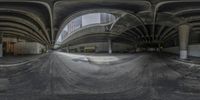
(184, 31)
(135, 47)
(159, 47)
(68, 49)
(109, 46)
(1, 45)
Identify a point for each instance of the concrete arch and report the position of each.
(114, 12)
(181, 23)
(22, 23)
(19, 31)
(10, 34)
(50, 10)
(32, 17)
(140, 21)
(20, 27)
(21, 35)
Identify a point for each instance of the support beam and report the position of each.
(184, 31)
(109, 46)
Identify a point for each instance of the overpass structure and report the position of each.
(99, 49)
(146, 23)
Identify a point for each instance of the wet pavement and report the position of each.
(143, 76)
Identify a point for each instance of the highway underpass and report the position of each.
(99, 50)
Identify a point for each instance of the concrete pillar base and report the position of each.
(110, 52)
(183, 54)
(109, 46)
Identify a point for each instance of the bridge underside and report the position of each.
(151, 51)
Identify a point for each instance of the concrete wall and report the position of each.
(117, 47)
(174, 50)
(28, 48)
(103, 46)
(193, 50)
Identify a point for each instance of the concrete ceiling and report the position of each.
(41, 20)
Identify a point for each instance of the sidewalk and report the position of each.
(9, 60)
(191, 60)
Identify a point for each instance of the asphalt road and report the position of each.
(57, 76)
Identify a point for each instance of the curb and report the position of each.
(187, 63)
